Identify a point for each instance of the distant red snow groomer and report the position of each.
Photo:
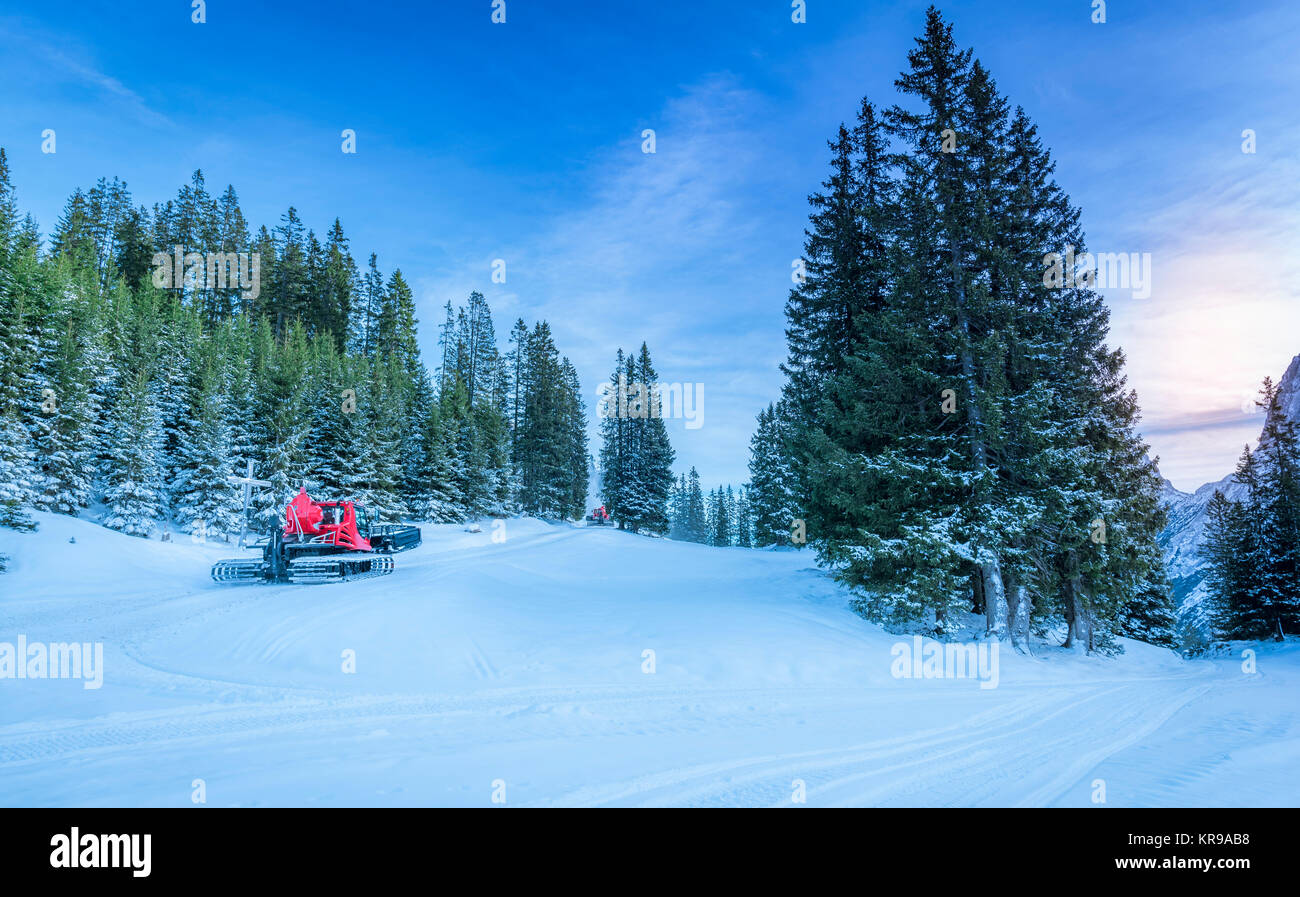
(322, 541)
(599, 517)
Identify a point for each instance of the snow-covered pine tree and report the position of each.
(1236, 552)
(17, 476)
(744, 522)
(697, 516)
(721, 519)
(69, 358)
(958, 439)
(235, 344)
(336, 282)
(283, 424)
(615, 435)
(470, 456)
(232, 234)
(174, 383)
(435, 497)
(133, 496)
(207, 505)
(364, 325)
(1149, 615)
(20, 319)
(576, 436)
(332, 405)
(419, 405)
(396, 338)
(382, 453)
(1279, 498)
(677, 500)
(648, 455)
(517, 373)
(546, 443)
(773, 486)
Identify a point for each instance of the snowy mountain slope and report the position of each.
(1183, 539)
(521, 664)
(1184, 535)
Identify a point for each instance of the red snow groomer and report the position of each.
(325, 541)
(599, 517)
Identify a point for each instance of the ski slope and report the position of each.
(515, 670)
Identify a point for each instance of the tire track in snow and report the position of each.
(979, 772)
(969, 757)
(710, 778)
(625, 706)
(1061, 783)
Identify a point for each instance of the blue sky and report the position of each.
(522, 141)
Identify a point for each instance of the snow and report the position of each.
(516, 667)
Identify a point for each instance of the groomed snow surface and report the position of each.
(515, 669)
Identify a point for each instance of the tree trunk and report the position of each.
(1017, 613)
(990, 574)
(1068, 586)
(1076, 617)
(995, 600)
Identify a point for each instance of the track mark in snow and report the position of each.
(686, 785)
(1079, 768)
(482, 667)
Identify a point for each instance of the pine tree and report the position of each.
(207, 504)
(696, 517)
(17, 478)
(70, 353)
(174, 385)
(744, 522)
(1149, 615)
(639, 450)
(435, 498)
(380, 449)
(773, 486)
(363, 323)
(288, 299)
(1232, 547)
(1279, 500)
(232, 234)
(73, 239)
(960, 428)
(615, 441)
(578, 462)
(721, 519)
(677, 502)
(19, 326)
(395, 336)
(280, 438)
(517, 369)
(545, 443)
(133, 495)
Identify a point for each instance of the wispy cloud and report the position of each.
(76, 65)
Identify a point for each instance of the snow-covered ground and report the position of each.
(517, 669)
